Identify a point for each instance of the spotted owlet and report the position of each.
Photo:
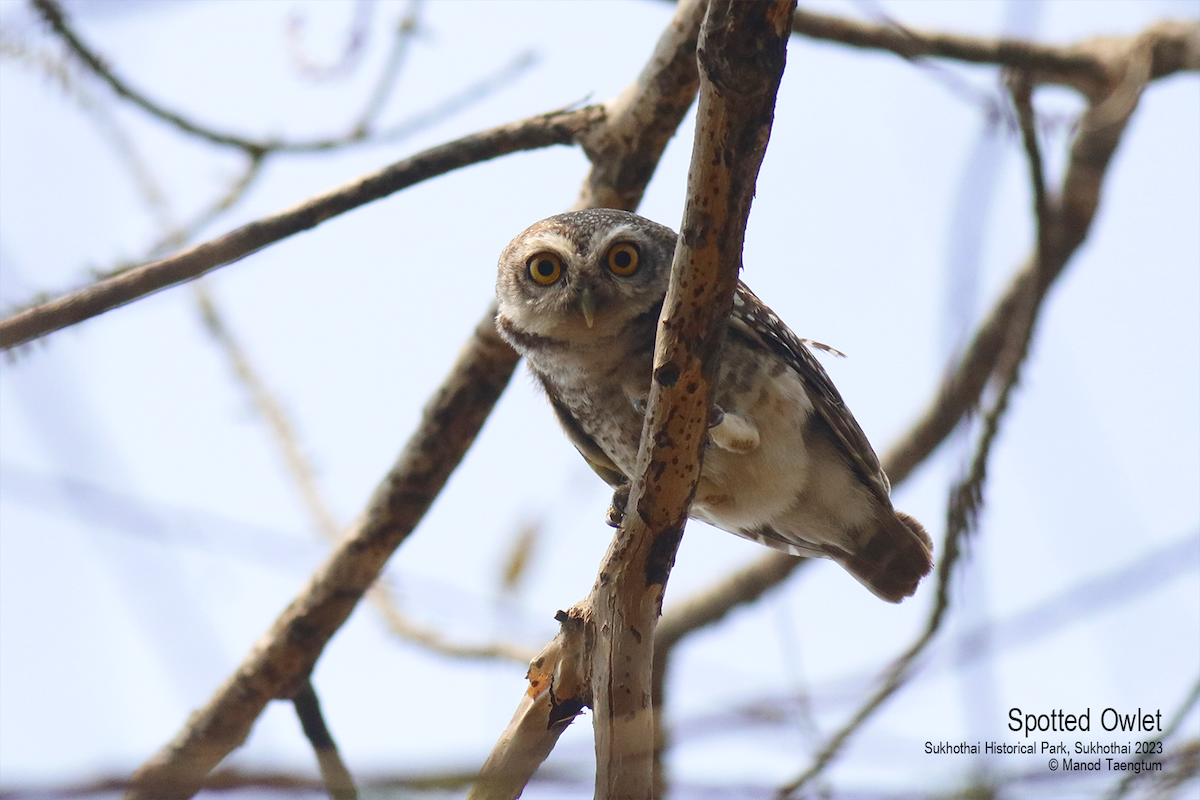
(785, 465)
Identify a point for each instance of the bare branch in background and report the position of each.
(336, 777)
(54, 17)
(257, 152)
(271, 411)
(545, 130)
(405, 31)
(182, 234)
(360, 133)
(1176, 48)
(1063, 223)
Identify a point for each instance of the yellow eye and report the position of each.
(622, 259)
(544, 268)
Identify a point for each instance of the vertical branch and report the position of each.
(624, 151)
(741, 52)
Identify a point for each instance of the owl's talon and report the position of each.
(715, 416)
(639, 405)
(616, 511)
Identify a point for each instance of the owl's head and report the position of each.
(583, 275)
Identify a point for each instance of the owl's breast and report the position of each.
(599, 392)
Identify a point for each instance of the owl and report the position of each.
(785, 463)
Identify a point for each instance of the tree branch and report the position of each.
(741, 52)
(644, 117)
(304, 478)
(1089, 66)
(559, 127)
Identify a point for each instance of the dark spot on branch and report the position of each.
(661, 557)
(667, 375)
(565, 711)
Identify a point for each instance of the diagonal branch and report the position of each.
(284, 657)
(545, 130)
(1181, 713)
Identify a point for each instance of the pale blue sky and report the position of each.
(148, 534)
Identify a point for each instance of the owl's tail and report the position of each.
(892, 559)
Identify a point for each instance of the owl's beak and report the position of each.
(587, 304)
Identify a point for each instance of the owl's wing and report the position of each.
(752, 319)
(600, 463)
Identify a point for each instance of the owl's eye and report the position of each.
(622, 259)
(544, 268)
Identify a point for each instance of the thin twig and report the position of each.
(405, 31)
(352, 52)
(338, 782)
(556, 128)
(359, 134)
(183, 234)
(271, 412)
(910, 44)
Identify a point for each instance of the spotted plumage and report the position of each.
(786, 465)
